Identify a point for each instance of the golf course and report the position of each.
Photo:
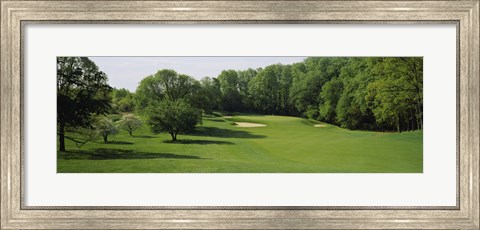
(265, 144)
(279, 115)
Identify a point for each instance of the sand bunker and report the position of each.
(249, 125)
(320, 125)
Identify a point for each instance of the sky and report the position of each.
(127, 72)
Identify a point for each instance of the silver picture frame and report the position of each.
(16, 14)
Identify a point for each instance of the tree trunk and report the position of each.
(61, 138)
(130, 132)
(414, 120)
(174, 136)
(419, 114)
(398, 124)
(105, 138)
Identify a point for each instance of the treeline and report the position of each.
(374, 93)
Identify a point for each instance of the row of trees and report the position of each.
(104, 126)
(375, 93)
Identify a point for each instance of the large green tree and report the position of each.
(165, 84)
(82, 91)
(148, 91)
(173, 117)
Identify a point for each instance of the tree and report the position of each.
(173, 117)
(329, 96)
(388, 106)
(409, 71)
(209, 96)
(83, 135)
(148, 91)
(82, 91)
(352, 109)
(298, 72)
(285, 83)
(308, 79)
(395, 97)
(166, 98)
(105, 127)
(165, 84)
(348, 114)
(231, 98)
(122, 100)
(130, 123)
(244, 78)
(264, 89)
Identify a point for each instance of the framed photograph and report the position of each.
(240, 114)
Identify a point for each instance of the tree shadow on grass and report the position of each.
(142, 136)
(112, 154)
(225, 133)
(119, 143)
(216, 119)
(198, 142)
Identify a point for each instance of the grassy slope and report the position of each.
(286, 144)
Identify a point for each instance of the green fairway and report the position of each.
(284, 145)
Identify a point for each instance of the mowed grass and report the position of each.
(284, 145)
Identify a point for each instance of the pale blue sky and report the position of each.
(127, 72)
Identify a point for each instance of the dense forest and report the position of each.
(374, 93)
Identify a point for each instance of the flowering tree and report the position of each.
(130, 123)
(105, 127)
